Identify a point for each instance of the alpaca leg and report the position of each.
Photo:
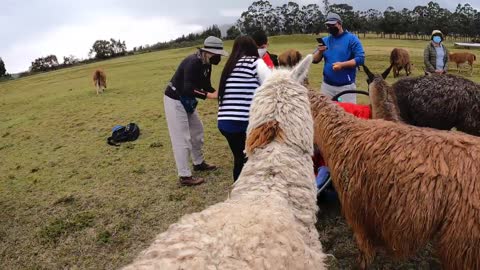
(367, 251)
(459, 255)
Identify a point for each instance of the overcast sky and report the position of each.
(36, 28)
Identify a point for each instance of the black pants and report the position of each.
(236, 141)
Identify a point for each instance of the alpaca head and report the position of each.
(383, 100)
(371, 76)
(280, 111)
(378, 89)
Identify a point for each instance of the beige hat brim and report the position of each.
(215, 51)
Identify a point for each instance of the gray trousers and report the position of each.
(186, 134)
(331, 91)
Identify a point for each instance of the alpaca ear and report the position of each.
(369, 74)
(300, 71)
(386, 72)
(263, 135)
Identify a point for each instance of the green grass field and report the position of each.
(70, 201)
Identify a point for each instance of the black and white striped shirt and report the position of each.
(239, 89)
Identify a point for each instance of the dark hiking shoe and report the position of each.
(204, 167)
(190, 180)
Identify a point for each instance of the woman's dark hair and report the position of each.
(243, 46)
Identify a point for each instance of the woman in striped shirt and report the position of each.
(238, 83)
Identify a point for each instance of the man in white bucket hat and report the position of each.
(191, 81)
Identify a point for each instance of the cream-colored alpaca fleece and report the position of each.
(269, 220)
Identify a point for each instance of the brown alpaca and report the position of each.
(463, 57)
(401, 186)
(99, 80)
(399, 58)
(291, 58)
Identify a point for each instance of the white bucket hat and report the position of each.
(214, 45)
(437, 33)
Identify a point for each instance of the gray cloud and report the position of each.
(51, 23)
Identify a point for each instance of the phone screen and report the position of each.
(320, 41)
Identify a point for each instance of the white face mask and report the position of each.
(262, 52)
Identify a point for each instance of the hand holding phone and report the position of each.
(321, 42)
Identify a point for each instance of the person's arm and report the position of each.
(191, 78)
(445, 67)
(318, 54)
(208, 83)
(268, 61)
(358, 56)
(346, 64)
(426, 60)
(263, 71)
(211, 92)
(213, 95)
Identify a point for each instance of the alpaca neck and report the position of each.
(328, 112)
(332, 125)
(278, 171)
(385, 106)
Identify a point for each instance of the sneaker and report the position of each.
(204, 167)
(190, 180)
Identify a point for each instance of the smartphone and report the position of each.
(320, 41)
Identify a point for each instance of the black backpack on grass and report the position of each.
(124, 134)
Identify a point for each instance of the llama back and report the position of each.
(399, 57)
(246, 233)
(399, 184)
(99, 78)
(440, 101)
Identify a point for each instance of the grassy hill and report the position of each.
(69, 200)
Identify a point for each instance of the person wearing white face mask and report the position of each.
(435, 55)
(261, 41)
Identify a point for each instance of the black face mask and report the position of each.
(215, 59)
(333, 30)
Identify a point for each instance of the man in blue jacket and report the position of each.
(343, 53)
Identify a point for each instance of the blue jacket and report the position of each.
(342, 48)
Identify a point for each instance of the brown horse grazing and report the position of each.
(399, 58)
(462, 57)
(99, 80)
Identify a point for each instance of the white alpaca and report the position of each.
(269, 220)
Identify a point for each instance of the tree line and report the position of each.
(292, 18)
(101, 49)
(105, 49)
(189, 40)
